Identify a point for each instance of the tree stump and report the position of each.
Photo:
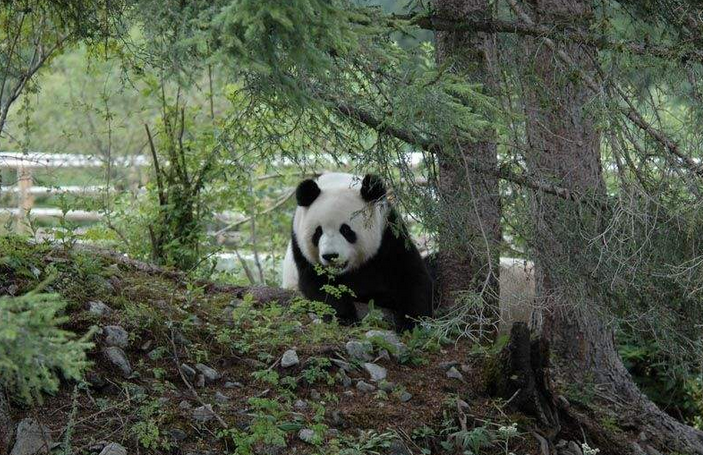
(521, 376)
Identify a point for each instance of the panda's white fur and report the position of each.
(340, 196)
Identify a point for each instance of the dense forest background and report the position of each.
(564, 133)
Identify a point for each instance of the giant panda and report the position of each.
(345, 232)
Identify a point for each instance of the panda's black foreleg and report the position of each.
(345, 309)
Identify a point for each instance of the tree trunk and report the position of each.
(564, 149)
(470, 233)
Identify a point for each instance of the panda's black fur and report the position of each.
(395, 278)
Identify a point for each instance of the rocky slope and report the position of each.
(186, 367)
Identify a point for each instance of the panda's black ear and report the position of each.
(372, 188)
(307, 192)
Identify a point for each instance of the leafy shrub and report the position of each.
(33, 349)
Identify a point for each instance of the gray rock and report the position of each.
(177, 435)
(203, 414)
(376, 372)
(386, 386)
(32, 438)
(575, 448)
(338, 420)
(453, 373)
(365, 387)
(118, 358)
(398, 448)
(211, 375)
(405, 397)
(315, 395)
(306, 435)
(359, 350)
(221, 397)
(391, 338)
(113, 448)
(344, 378)
(447, 365)
(98, 308)
(116, 336)
(200, 381)
(289, 359)
(383, 355)
(188, 372)
(346, 366)
(300, 405)
(233, 385)
(185, 405)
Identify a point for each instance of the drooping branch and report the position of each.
(490, 25)
(628, 111)
(501, 172)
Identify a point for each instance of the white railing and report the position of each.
(25, 191)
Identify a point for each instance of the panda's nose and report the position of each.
(330, 256)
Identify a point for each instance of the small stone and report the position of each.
(98, 308)
(405, 397)
(465, 368)
(315, 395)
(300, 405)
(359, 350)
(391, 338)
(575, 448)
(221, 397)
(203, 413)
(289, 359)
(146, 346)
(188, 372)
(116, 336)
(447, 365)
(114, 449)
(386, 386)
(344, 378)
(200, 382)
(338, 420)
(306, 435)
(348, 393)
(31, 438)
(383, 355)
(97, 447)
(118, 358)
(346, 366)
(211, 375)
(177, 434)
(179, 338)
(398, 448)
(233, 385)
(376, 372)
(185, 405)
(365, 387)
(453, 373)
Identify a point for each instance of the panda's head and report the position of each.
(340, 220)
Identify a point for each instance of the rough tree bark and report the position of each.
(564, 148)
(469, 242)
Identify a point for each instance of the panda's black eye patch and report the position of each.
(316, 236)
(348, 234)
